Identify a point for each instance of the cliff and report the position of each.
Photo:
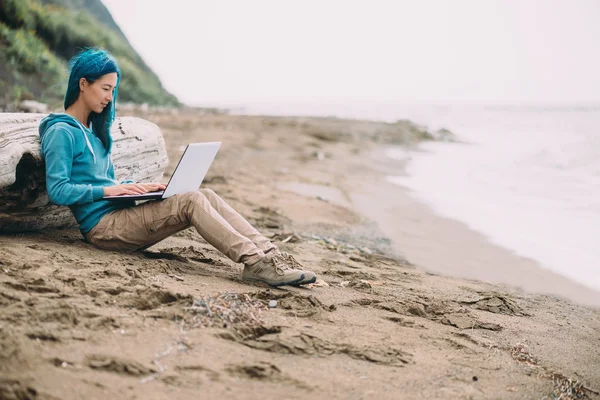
(37, 37)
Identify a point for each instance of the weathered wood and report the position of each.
(139, 154)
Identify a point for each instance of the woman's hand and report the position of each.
(153, 187)
(132, 188)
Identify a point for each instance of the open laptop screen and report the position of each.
(188, 175)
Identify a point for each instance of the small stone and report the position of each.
(272, 303)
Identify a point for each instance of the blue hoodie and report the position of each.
(78, 167)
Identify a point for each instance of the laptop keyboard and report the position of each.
(125, 196)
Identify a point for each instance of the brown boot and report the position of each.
(274, 271)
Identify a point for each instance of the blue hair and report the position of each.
(92, 64)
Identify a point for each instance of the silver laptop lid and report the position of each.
(192, 168)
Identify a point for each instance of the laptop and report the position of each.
(188, 175)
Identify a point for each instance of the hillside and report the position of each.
(37, 37)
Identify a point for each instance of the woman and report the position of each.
(76, 147)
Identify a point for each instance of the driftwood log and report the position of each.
(139, 154)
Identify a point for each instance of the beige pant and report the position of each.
(220, 225)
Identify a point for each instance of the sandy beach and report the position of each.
(412, 305)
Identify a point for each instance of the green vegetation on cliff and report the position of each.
(37, 37)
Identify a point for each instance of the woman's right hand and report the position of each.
(132, 188)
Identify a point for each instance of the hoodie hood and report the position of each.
(53, 118)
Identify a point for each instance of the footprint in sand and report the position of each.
(264, 372)
(32, 285)
(189, 375)
(118, 365)
(149, 299)
(276, 340)
(497, 304)
(297, 305)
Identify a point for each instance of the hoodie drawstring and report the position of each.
(90, 147)
(87, 140)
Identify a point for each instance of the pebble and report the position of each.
(272, 303)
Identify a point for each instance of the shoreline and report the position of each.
(438, 243)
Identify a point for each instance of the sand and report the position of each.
(78, 322)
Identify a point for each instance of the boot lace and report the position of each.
(291, 260)
(280, 264)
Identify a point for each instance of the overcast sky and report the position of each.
(425, 51)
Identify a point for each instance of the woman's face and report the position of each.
(98, 94)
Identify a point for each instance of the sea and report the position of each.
(526, 177)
